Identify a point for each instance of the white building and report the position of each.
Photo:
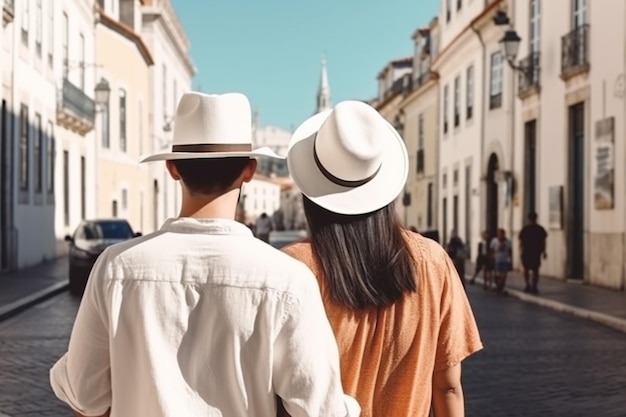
(474, 104)
(275, 138)
(261, 195)
(7, 117)
(48, 90)
(171, 77)
(570, 128)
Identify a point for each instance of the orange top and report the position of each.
(388, 354)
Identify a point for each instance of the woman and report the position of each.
(396, 304)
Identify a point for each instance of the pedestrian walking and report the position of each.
(532, 239)
(200, 318)
(456, 251)
(502, 254)
(401, 317)
(264, 227)
(484, 262)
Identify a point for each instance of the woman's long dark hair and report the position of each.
(365, 258)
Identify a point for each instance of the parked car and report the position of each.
(278, 239)
(89, 240)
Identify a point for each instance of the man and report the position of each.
(532, 239)
(200, 318)
(456, 251)
(264, 227)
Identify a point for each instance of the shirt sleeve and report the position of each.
(81, 378)
(458, 332)
(306, 372)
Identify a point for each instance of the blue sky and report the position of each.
(270, 50)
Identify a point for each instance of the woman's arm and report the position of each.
(448, 393)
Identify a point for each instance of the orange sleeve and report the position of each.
(458, 332)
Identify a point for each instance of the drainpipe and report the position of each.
(483, 112)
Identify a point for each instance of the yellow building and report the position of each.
(124, 130)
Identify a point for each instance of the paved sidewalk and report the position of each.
(595, 303)
(22, 289)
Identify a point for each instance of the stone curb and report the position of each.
(605, 319)
(37, 297)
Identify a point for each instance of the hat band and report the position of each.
(213, 147)
(336, 180)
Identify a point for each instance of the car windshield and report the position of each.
(107, 230)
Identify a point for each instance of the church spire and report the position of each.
(323, 94)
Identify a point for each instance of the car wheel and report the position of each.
(77, 282)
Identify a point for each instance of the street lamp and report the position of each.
(510, 45)
(103, 92)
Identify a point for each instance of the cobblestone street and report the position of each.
(535, 363)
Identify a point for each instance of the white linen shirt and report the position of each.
(201, 319)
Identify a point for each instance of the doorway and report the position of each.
(576, 192)
(492, 195)
(530, 167)
(468, 210)
(5, 190)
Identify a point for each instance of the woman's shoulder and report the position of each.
(425, 249)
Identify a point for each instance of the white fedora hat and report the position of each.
(348, 160)
(212, 126)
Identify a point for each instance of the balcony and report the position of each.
(529, 76)
(75, 109)
(575, 52)
(420, 161)
(8, 11)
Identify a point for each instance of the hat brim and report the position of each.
(263, 152)
(371, 196)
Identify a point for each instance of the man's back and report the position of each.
(202, 320)
(532, 237)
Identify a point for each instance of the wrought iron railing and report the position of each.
(529, 74)
(75, 100)
(575, 49)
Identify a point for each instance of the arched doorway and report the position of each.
(492, 195)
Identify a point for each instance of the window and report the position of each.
(445, 109)
(50, 32)
(579, 13)
(420, 132)
(66, 187)
(83, 189)
(106, 133)
(455, 177)
(38, 155)
(429, 208)
(457, 101)
(124, 199)
(164, 91)
(140, 125)
(534, 32)
(25, 21)
(122, 120)
(50, 154)
(459, 4)
(38, 28)
(114, 208)
(24, 148)
(448, 10)
(81, 41)
(444, 180)
(469, 93)
(495, 90)
(66, 50)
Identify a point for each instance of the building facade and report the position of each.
(420, 107)
(570, 126)
(171, 77)
(473, 107)
(7, 121)
(124, 187)
(260, 195)
(394, 82)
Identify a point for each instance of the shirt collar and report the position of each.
(214, 226)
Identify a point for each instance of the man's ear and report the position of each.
(171, 168)
(248, 172)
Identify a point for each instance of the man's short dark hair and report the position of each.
(532, 216)
(210, 176)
